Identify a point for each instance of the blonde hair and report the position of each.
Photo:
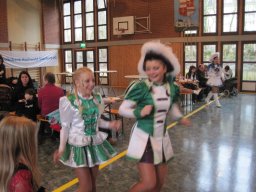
(76, 78)
(18, 139)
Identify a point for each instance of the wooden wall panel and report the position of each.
(160, 11)
(51, 22)
(125, 58)
(177, 49)
(3, 22)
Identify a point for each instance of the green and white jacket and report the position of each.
(163, 98)
(80, 139)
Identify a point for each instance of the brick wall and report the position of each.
(51, 22)
(161, 14)
(3, 22)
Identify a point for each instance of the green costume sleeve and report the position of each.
(136, 94)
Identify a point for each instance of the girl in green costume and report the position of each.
(149, 101)
(82, 145)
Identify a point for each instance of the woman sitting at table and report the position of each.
(192, 81)
(24, 82)
(202, 78)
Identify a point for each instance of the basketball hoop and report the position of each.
(120, 32)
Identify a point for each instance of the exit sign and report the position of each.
(82, 45)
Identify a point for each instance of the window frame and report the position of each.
(203, 16)
(222, 55)
(95, 12)
(202, 51)
(85, 62)
(243, 18)
(107, 62)
(222, 20)
(100, 10)
(242, 61)
(94, 22)
(82, 27)
(71, 23)
(184, 56)
(67, 78)
(78, 62)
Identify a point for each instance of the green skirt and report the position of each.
(87, 156)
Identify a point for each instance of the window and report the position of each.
(208, 50)
(249, 62)
(90, 59)
(89, 19)
(68, 64)
(85, 58)
(78, 20)
(102, 20)
(84, 20)
(190, 56)
(68, 61)
(249, 16)
(209, 16)
(79, 59)
(230, 16)
(67, 22)
(103, 64)
(229, 56)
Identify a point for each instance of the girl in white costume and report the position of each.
(82, 145)
(149, 101)
(215, 78)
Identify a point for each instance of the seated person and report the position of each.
(28, 105)
(228, 80)
(181, 82)
(24, 82)
(201, 75)
(227, 73)
(2, 71)
(192, 83)
(48, 102)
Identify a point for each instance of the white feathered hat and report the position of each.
(163, 51)
(213, 56)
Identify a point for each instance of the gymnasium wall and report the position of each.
(125, 50)
(24, 21)
(3, 22)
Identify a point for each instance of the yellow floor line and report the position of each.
(67, 185)
(122, 154)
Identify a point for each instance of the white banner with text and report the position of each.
(29, 59)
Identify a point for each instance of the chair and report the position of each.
(54, 120)
(5, 97)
